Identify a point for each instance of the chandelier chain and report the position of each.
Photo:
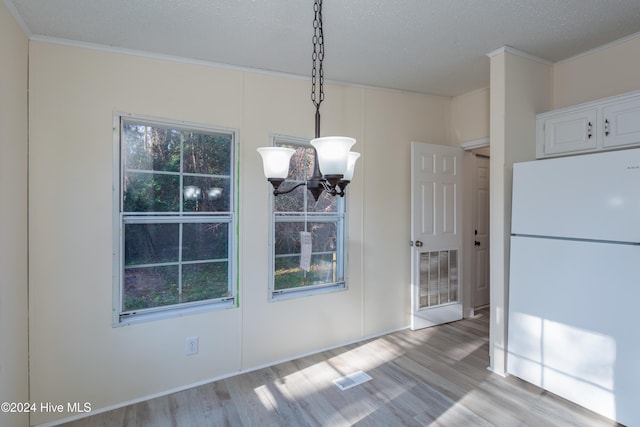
(317, 71)
(338, 177)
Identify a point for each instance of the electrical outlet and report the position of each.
(192, 346)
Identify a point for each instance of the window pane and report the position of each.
(287, 237)
(291, 202)
(173, 254)
(326, 203)
(288, 274)
(150, 287)
(294, 201)
(287, 250)
(326, 267)
(301, 164)
(205, 281)
(300, 168)
(207, 154)
(151, 148)
(323, 236)
(148, 192)
(150, 243)
(204, 194)
(323, 269)
(205, 241)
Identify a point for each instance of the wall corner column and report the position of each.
(520, 87)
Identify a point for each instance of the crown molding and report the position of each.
(212, 64)
(601, 48)
(159, 56)
(16, 16)
(513, 51)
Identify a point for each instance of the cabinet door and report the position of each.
(621, 123)
(571, 132)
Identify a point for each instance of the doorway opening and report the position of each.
(477, 243)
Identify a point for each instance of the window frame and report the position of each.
(339, 217)
(122, 317)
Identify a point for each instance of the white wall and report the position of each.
(76, 355)
(392, 120)
(13, 218)
(603, 72)
(470, 116)
(520, 88)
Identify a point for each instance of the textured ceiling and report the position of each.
(427, 46)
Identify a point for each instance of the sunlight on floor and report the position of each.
(267, 399)
(310, 380)
(315, 382)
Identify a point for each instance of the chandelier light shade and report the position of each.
(333, 162)
(351, 166)
(333, 154)
(275, 161)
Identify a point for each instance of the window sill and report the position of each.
(135, 318)
(288, 294)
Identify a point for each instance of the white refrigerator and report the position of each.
(574, 281)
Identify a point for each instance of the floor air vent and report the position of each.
(351, 380)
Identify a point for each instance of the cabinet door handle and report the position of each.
(589, 130)
(606, 127)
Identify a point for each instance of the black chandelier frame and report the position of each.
(317, 183)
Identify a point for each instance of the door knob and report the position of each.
(418, 243)
(476, 243)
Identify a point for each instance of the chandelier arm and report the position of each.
(278, 192)
(342, 185)
(334, 190)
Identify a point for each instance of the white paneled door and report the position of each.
(436, 234)
(480, 266)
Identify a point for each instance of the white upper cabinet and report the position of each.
(570, 132)
(621, 123)
(599, 125)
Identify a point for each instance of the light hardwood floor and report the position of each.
(436, 376)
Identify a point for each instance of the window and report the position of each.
(297, 212)
(175, 219)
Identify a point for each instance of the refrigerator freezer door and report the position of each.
(593, 196)
(572, 322)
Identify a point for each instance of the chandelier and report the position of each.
(334, 163)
